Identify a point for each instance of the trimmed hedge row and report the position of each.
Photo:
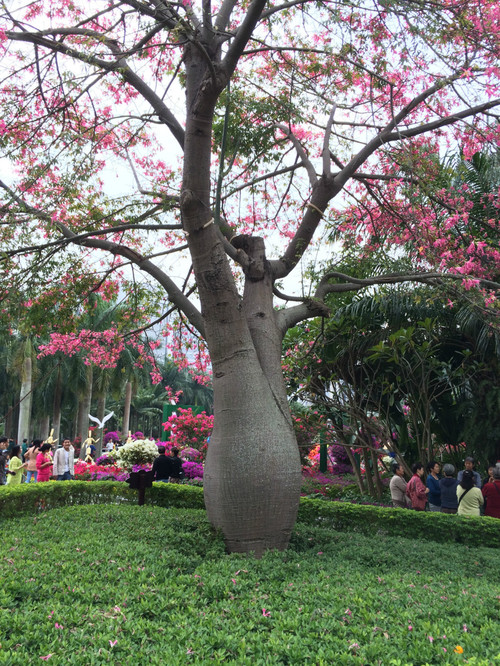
(375, 520)
(36, 497)
(340, 516)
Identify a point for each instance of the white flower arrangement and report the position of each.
(140, 452)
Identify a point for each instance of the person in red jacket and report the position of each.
(491, 494)
(415, 489)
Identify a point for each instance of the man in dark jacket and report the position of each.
(162, 466)
(176, 471)
(448, 485)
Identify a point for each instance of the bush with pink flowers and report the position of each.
(190, 430)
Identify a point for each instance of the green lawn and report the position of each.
(145, 585)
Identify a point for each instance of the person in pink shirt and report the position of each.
(44, 463)
(415, 489)
(30, 457)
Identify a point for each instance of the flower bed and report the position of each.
(112, 472)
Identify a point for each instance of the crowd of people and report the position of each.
(35, 463)
(466, 494)
(39, 462)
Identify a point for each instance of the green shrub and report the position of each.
(126, 585)
(36, 497)
(374, 520)
(340, 516)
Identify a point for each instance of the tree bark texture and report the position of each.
(56, 413)
(252, 475)
(126, 409)
(85, 409)
(25, 399)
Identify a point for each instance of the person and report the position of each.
(162, 466)
(489, 478)
(470, 498)
(415, 488)
(397, 487)
(4, 456)
(24, 448)
(64, 462)
(491, 494)
(44, 463)
(30, 457)
(469, 466)
(176, 471)
(432, 483)
(16, 466)
(448, 485)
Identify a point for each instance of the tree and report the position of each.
(286, 107)
(402, 361)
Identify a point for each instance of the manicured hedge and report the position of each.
(374, 520)
(35, 497)
(340, 516)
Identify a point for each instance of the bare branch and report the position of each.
(353, 284)
(300, 152)
(242, 35)
(326, 142)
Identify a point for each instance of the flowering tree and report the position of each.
(286, 107)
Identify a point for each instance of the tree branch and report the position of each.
(118, 66)
(242, 35)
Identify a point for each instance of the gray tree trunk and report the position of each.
(252, 475)
(44, 427)
(23, 429)
(56, 413)
(126, 410)
(101, 408)
(85, 410)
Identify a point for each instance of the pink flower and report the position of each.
(58, 626)
(113, 643)
(431, 639)
(47, 657)
(465, 627)
(266, 613)
(410, 628)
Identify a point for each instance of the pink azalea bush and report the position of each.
(189, 430)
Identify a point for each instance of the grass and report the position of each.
(145, 585)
